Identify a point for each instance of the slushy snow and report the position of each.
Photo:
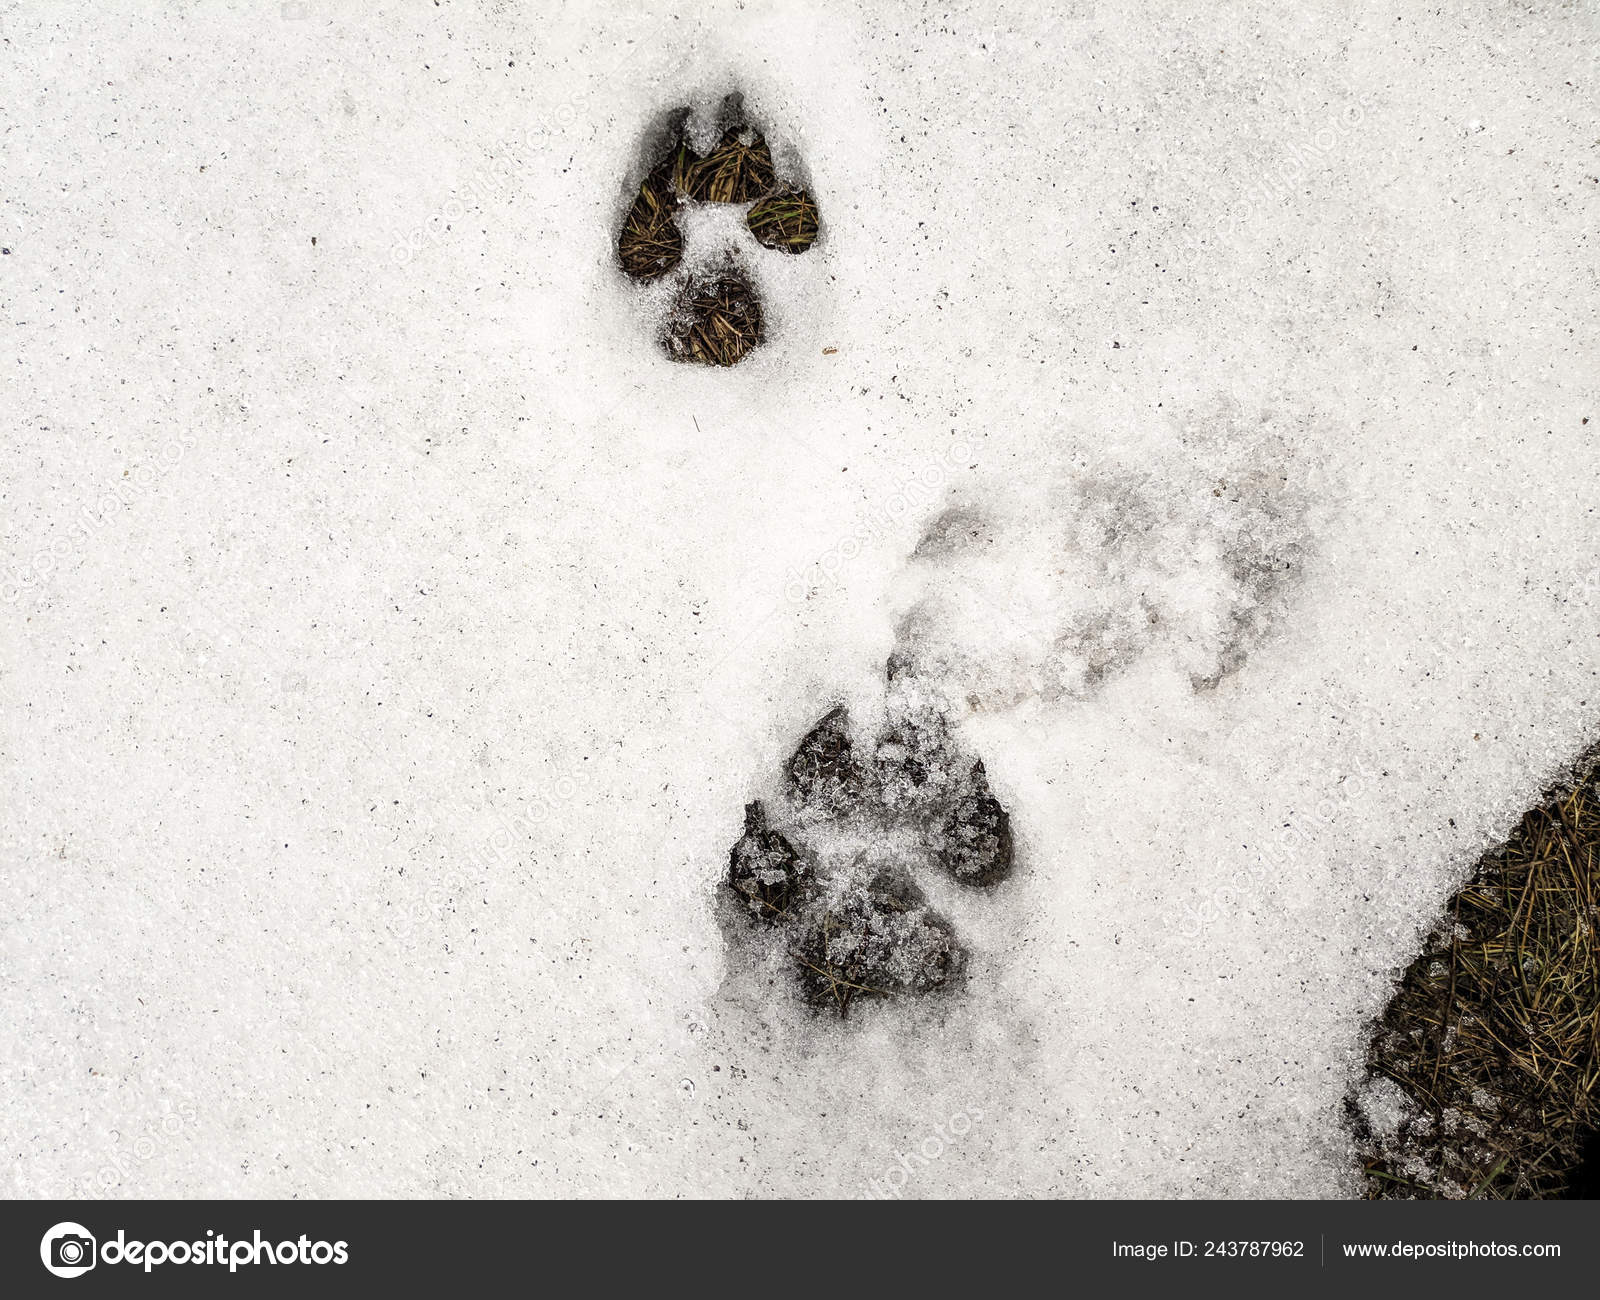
(394, 637)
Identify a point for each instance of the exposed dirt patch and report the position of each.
(1481, 1075)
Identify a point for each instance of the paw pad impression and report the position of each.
(714, 316)
(827, 871)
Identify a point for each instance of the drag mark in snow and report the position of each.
(1047, 591)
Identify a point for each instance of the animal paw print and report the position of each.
(828, 872)
(713, 308)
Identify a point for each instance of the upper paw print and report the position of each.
(714, 313)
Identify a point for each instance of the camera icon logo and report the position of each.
(68, 1250)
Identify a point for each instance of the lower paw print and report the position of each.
(826, 869)
(689, 257)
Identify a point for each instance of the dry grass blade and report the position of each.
(716, 323)
(678, 165)
(785, 221)
(651, 243)
(1493, 1037)
(830, 982)
(733, 172)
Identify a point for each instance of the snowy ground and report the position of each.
(393, 637)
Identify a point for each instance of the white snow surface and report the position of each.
(393, 636)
